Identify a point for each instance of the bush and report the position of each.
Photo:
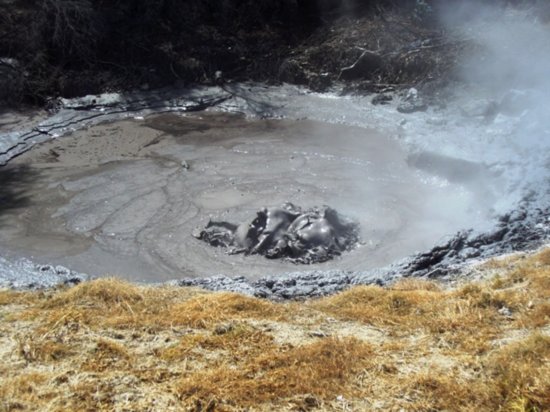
(68, 29)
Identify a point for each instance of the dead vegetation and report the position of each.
(419, 346)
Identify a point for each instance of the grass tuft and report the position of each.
(100, 292)
(239, 340)
(416, 284)
(107, 354)
(11, 297)
(520, 374)
(207, 310)
(44, 350)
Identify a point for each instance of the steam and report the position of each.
(513, 53)
(509, 65)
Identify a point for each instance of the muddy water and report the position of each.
(124, 198)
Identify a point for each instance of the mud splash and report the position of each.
(286, 232)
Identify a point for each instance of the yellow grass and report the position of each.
(321, 369)
(414, 346)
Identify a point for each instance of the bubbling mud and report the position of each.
(287, 232)
(124, 198)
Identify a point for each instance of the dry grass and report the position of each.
(418, 346)
(115, 303)
(10, 297)
(321, 369)
(468, 317)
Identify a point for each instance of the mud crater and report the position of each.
(124, 198)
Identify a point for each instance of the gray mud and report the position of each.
(526, 228)
(124, 198)
(287, 232)
(110, 185)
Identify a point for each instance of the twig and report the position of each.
(357, 61)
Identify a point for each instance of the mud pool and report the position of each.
(124, 197)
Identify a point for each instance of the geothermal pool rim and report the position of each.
(523, 228)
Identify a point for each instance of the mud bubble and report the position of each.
(287, 232)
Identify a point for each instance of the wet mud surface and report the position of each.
(287, 232)
(124, 198)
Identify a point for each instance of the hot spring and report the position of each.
(123, 198)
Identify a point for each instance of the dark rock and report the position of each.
(224, 328)
(219, 78)
(7, 63)
(319, 82)
(468, 253)
(526, 228)
(261, 293)
(24, 274)
(436, 273)
(412, 103)
(289, 282)
(505, 311)
(381, 99)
